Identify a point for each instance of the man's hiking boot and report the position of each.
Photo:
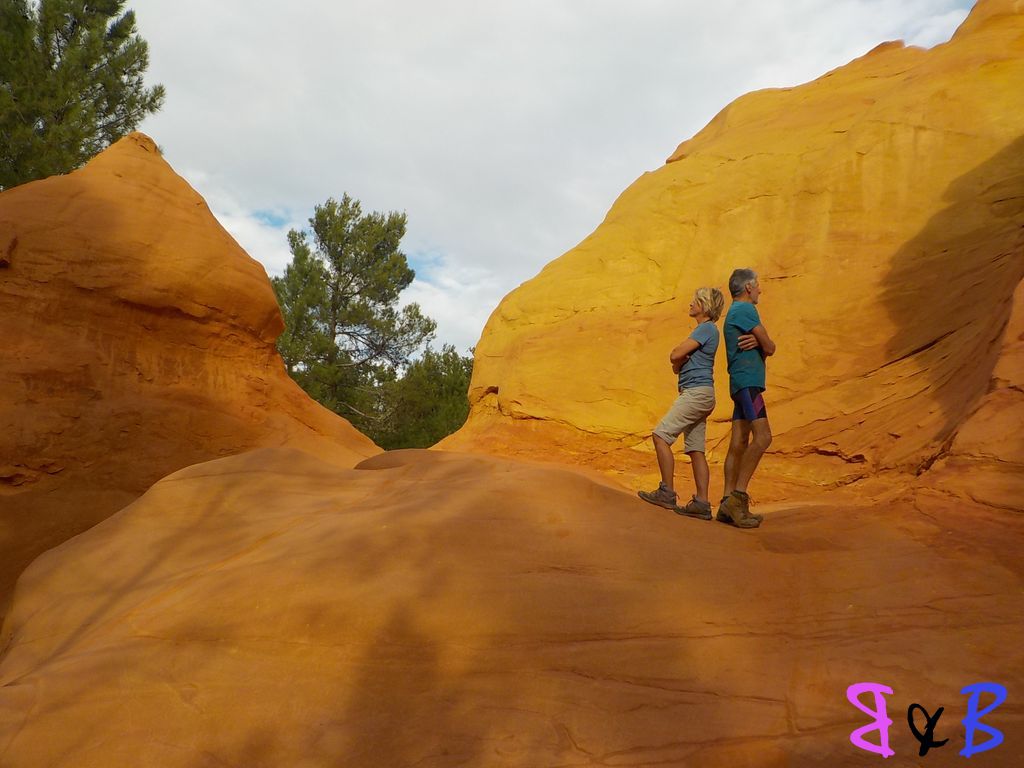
(663, 497)
(720, 516)
(695, 508)
(735, 510)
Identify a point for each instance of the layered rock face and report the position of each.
(139, 339)
(882, 206)
(438, 609)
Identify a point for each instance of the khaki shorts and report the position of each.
(688, 416)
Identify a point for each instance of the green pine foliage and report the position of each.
(427, 403)
(345, 338)
(71, 83)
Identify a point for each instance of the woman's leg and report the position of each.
(666, 461)
(701, 473)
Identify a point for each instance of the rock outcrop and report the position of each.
(138, 339)
(883, 207)
(270, 609)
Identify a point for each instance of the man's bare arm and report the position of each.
(758, 337)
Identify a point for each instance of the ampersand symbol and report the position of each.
(926, 739)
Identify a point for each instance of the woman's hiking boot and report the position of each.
(696, 508)
(663, 497)
(735, 510)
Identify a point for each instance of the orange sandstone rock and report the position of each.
(431, 608)
(138, 339)
(985, 458)
(883, 207)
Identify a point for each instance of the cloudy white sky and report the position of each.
(503, 130)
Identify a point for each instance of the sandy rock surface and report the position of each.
(138, 339)
(439, 609)
(883, 207)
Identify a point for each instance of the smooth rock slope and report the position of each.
(440, 609)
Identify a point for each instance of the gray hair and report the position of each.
(740, 279)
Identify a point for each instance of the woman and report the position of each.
(693, 360)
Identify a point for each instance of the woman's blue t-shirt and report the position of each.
(699, 369)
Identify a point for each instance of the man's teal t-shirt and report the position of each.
(699, 369)
(746, 367)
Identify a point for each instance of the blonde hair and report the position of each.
(711, 301)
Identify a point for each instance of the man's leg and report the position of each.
(737, 448)
(762, 438)
(749, 408)
(666, 461)
(733, 509)
(701, 473)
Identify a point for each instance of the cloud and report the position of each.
(504, 131)
(930, 31)
(459, 300)
(262, 233)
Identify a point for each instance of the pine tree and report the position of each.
(427, 403)
(345, 337)
(71, 83)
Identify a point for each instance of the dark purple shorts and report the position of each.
(749, 405)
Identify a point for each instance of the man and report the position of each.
(747, 345)
(693, 362)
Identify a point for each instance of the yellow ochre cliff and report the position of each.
(882, 206)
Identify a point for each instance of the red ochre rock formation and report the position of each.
(883, 207)
(138, 339)
(444, 609)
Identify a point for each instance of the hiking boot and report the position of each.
(721, 517)
(663, 497)
(695, 508)
(734, 511)
(745, 498)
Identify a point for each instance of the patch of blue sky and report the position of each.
(277, 219)
(425, 263)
